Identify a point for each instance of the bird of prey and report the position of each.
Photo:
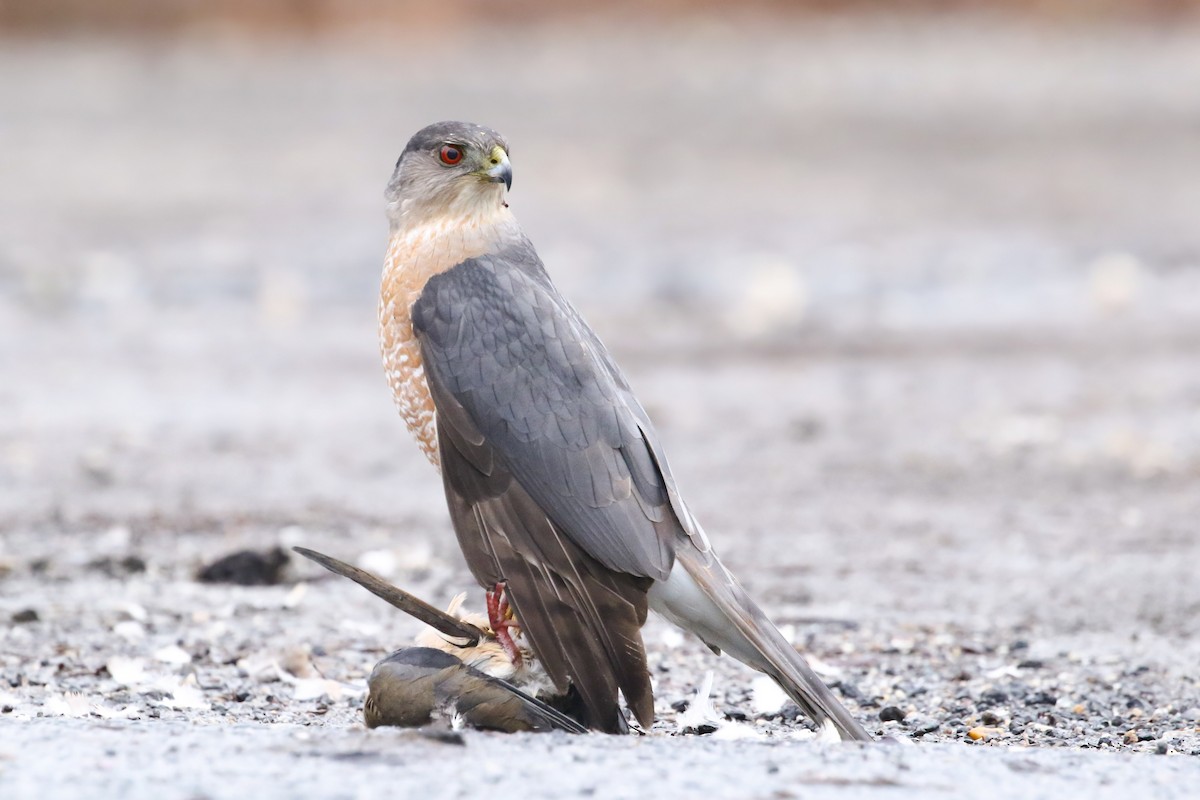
(457, 668)
(558, 488)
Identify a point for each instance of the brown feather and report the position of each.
(582, 619)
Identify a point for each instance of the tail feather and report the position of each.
(702, 596)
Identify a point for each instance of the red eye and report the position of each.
(450, 154)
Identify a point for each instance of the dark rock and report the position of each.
(791, 713)
(247, 568)
(25, 615)
(1041, 699)
(891, 714)
(990, 718)
(118, 567)
(1031, 663)
(923, 725)
(681, 705)
(846, 689)
(993, 697)
(735, 714)
(1162, 748)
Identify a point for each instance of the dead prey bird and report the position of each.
(556, 481)
(458, 669)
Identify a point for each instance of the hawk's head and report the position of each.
(450, 168)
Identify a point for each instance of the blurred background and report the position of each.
(913, 285)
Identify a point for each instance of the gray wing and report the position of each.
(551, 480)
(539, 388)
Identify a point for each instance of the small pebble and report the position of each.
(118, 567)
(891, 714)
(923, 725)
(130, 630)
(846, 689)
(1162, 748)
(25, 615)
(980, 733)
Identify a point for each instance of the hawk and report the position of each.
(558, 488)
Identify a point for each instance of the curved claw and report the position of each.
(500, 617)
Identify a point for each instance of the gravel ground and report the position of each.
(928, 374)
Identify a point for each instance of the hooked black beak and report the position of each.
(501, 170)
(505, 176)
(501, 173)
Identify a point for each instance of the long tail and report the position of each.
(702, 596)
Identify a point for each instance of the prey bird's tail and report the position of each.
(702, 596)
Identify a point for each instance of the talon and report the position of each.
(502, 620)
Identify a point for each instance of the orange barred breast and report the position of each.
(413, 257)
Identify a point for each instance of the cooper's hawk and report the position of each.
(557, 484)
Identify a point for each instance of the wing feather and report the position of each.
(569, 430)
